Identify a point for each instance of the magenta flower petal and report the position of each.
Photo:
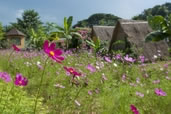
(134, 109)
(58, 52)
(52, 46)
(60, 58)
(15, 48)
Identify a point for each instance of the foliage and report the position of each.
(37, 38)
(67, 31)
(2, 37)
(98, 19)
(97, 46)
(30, 20)
(49, 27)
(18, 100)
(162, 27)
(162, 10)
(1, 32)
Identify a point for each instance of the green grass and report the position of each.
(111, 96)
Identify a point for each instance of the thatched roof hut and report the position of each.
(15, 32)
(16, 37)
(104, 33)
(131, 34)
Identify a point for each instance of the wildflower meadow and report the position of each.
(54, 81)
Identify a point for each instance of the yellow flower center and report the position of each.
(52, 53)
(20, 82)
(71, 71)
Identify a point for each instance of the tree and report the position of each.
(67, 31)
(2, 38)
(161, 27)
(37, 38)
(162, 10)
(1, 32)
(30, 20)
(98, 19)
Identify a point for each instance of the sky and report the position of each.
(56, 10)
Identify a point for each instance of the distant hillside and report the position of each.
(163, 10)
(98, 19)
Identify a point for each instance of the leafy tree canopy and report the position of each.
(30, 20)
(98, 19)
(162, 10)
(1, 32)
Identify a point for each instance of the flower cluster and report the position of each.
(20, 80)
(129, 59)
(5, 76)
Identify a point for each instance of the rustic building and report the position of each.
(131, 34)
(104, 33)
(16, 37)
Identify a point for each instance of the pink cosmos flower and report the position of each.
(107, 59)
(123, 78)
(166, 66)
(129, 59)
(72, 71)
(55, 54)
(90, 92)
(132, 84)
(5, 76)
(156, 81)
(168, 78)
(20, 80)
(91, 68)
(118, 56)
(15, 48)
(134, 109)
(160, 92)
(142, 59)
(139, 94)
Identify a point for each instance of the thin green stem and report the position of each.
(41, 81)
(8, 60)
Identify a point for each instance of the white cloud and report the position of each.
(19, 13)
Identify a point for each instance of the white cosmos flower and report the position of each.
(155, 56)
(38, 63)
(115, 64)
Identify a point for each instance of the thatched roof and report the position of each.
(15, 32)
(134, 32)
(103, 32)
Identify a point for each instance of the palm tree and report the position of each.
(67, 31)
